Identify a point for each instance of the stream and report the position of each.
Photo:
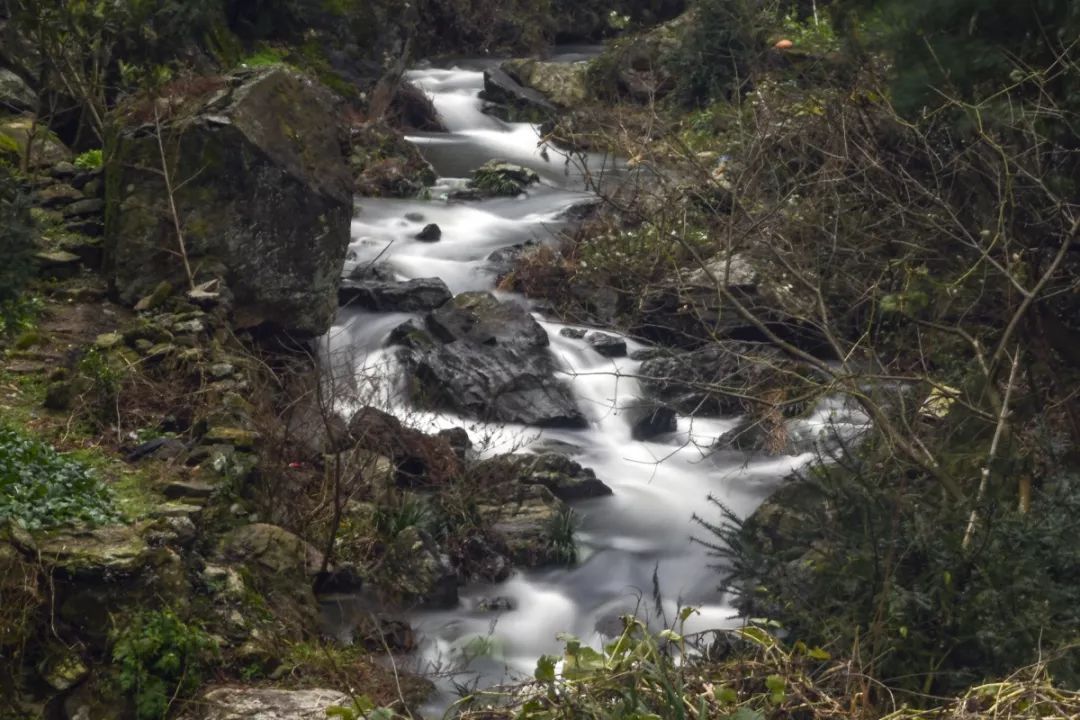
(646, 526)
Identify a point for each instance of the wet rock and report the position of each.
(489, 360)
(382, 271)
(390, 296)
(430, 233)
(459, 441)
(564, 85)
(647, 420)
(411, 109)
(566, 479)
(497, 178)
(504, 260)
(496, 604)
(418, 458)
(526, 527)
(610, 346)
(718, 379)
(269, 215)
(515, 102)
(266, 704)
(573, 333)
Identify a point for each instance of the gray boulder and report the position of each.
(487, 360)
(514, 102)
(720, 379)
(15, 94)
(564, 478)
(263, 193)
(390, 296)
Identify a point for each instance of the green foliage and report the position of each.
(404, 511)
(90, 160)
(860, 555)
(161, 658)
(104, 375)
(968, 48)
(263, 57)
(562, 529)
(39, 488)
(715, 57)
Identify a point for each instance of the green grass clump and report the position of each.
(40, 488)
(90, 160)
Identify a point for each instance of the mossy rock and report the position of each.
(271, 210)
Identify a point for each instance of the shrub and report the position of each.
(860, 555)
(161, 658)
(715, 57)
(40, 488)
(89, 160)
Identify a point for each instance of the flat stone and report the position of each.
(187, 490)
(573, 333)
(108, 341)
(57, 195)
(89, 206)
(237, 437)
(267, 704)
(96, 553)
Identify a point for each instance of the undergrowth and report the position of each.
(40, 488)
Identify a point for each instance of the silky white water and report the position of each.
(646, 526)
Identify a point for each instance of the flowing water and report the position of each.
(646, 526)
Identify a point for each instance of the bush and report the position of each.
(89, 160)
(161, 659)
(860, 555)
(715, 58)
(39, 488)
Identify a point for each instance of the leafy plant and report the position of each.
(90, 160)
(40, 488)
(161, 658)
(562, 529)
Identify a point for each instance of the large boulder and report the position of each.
(282, 568)
(394, 296)
(512, 101)
(261, 189)
(46, 149)
(15, 94)
(564, 85)
(487, 360)
(727, 378)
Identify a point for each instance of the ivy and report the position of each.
(40, 488)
